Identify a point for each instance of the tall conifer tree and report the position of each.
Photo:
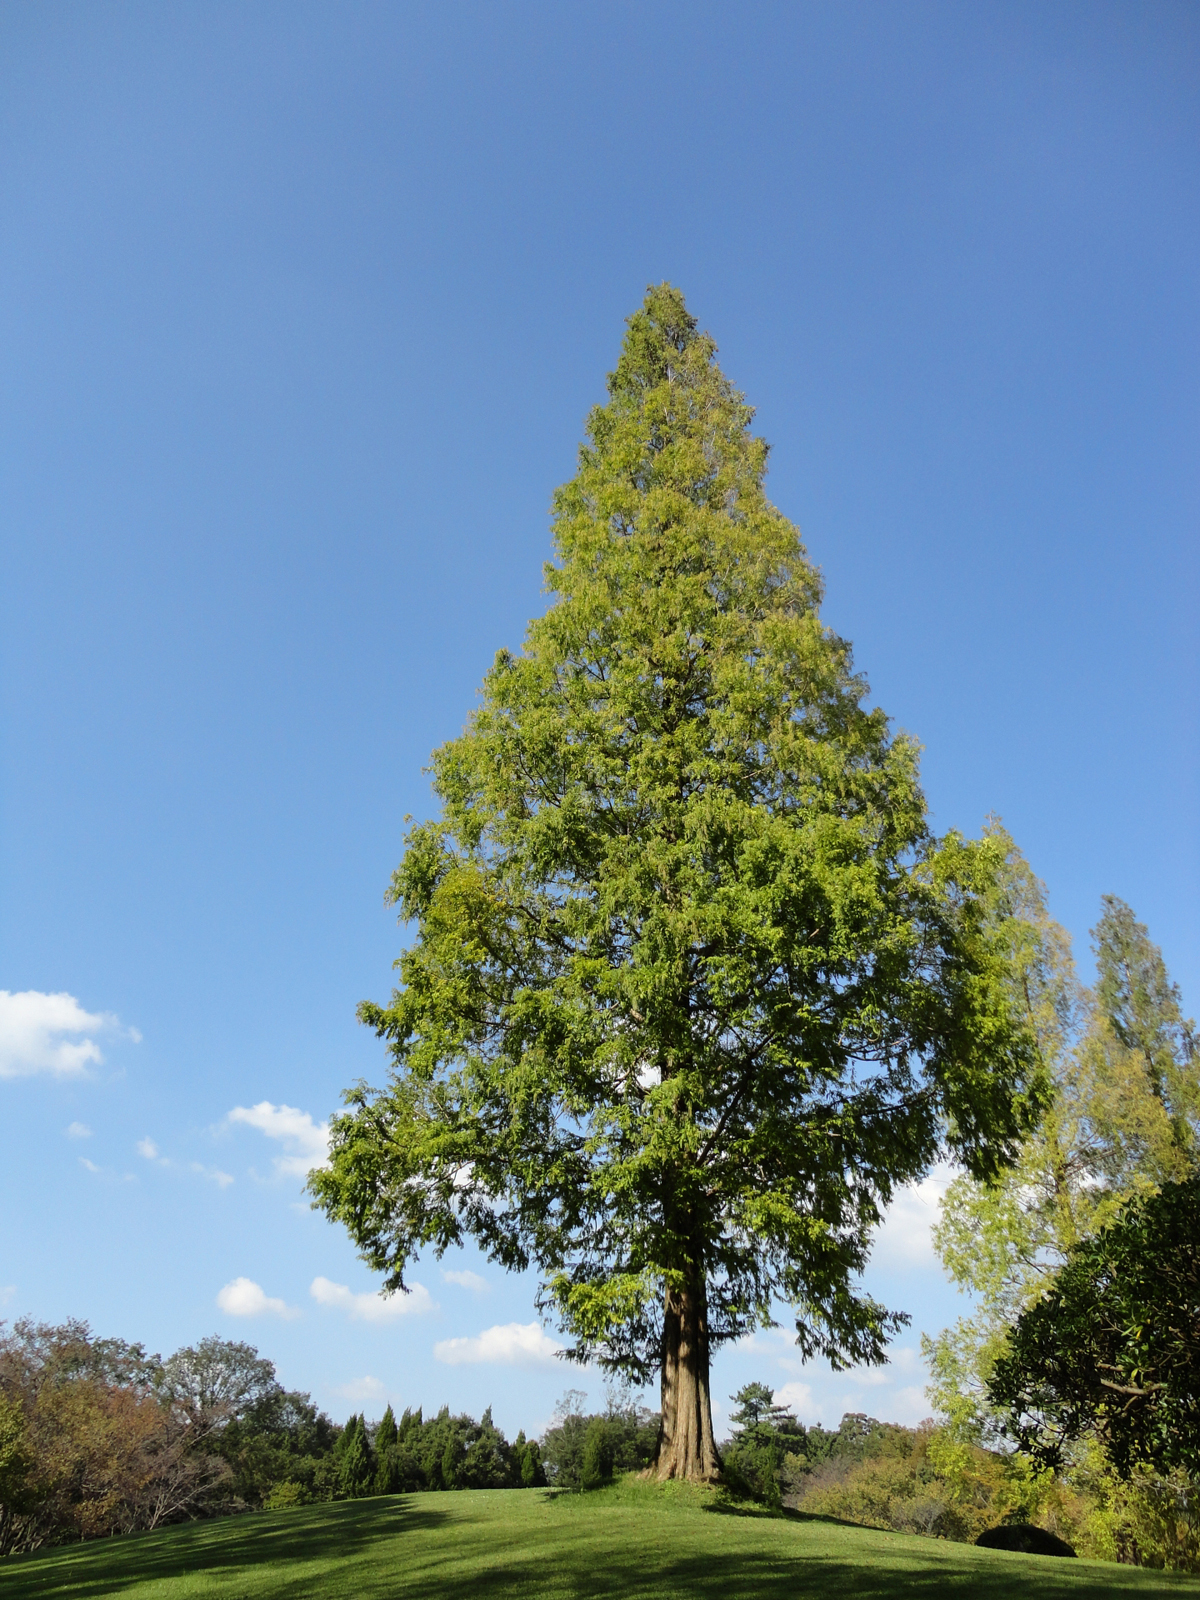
(692, 987)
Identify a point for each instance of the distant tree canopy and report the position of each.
(692, 988)
(1113, 1349)
(97, 1437)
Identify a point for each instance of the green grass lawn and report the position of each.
(632, 1540)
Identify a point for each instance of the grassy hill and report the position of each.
(634, 1540)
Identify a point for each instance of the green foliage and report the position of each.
(533, 1473)
(1122, 1122)
(355, 1459)
(1113, 1349)
(692, 988)
(386, 1432)
(623, 1436)
(1145, 1012)
(925, 1480)
(279, 1437)
(597, 1465)
(283, 1496)
(18, 1482)
(770, 1449)
(1145, 1519)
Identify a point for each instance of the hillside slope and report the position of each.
(633, 1540)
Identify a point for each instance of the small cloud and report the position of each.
(7, 1293)
(906, 1232)
(36, 1034)
(520, 1344)
(362, 1389)
(79, 1130)
(148, 1149)
(90, 1165)
(305, 1141)
(466, 1280)
(798, 1396)
(213, 1174)
(245, 1298)
(371, 1307)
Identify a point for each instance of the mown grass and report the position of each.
(634, 1540)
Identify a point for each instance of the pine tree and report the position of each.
(532, 1474)
(597, 1456)
(356, 1464)
(387, 1432)
(1144, 1011)
(451, 1457)
(693, 988)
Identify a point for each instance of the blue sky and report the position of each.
(302, 308)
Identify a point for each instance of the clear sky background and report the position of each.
(301, 310)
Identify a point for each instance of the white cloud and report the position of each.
(79, 1130)
(466, 1280)
(32, 1030)
(362, 1389)
(371, 1307)
(149, 1150)
(7, 1292)
(245, 1298)
(90, 1165)
(905, 1235)
(305, 1141)
(512, 1344)
(798, 1396)
(213, 1174)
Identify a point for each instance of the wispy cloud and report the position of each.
(305, 1142)
(38, 1033)
(107, 1173)
(245, 1298)
(213, 1174)
(371, 1307)
(8, 1292)
(78, 1130)
(362, 1389)
(513, 1344)
(465, 1280)
(148, 1150)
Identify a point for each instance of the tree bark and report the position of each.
(686, 1448)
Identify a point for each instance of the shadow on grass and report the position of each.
(768, 1575)
(356, 1550)
(346, 1529)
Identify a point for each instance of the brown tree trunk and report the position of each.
(685, 1442)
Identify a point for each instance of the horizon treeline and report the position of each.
(98, 1437)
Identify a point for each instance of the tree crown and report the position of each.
(693, 988)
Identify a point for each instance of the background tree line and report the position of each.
(97, 1438)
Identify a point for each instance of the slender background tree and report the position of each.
(693, 988)
(1122, 1122)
